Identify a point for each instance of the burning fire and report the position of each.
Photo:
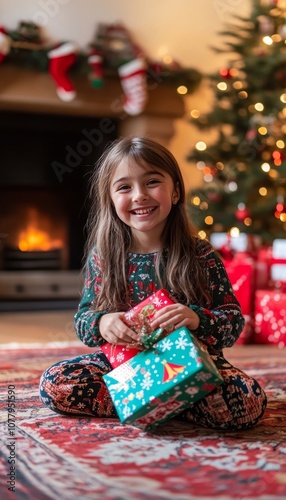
(33, 238)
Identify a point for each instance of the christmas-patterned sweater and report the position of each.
(221, 320)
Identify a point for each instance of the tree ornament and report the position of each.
(133, 82)
(242, 212)
(280, 209)
(62, 58)
(226, 73)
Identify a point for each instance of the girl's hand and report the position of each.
(174, 316)
(115, 331)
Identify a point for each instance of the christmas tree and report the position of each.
(244, 169)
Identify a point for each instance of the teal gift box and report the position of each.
(160, 382)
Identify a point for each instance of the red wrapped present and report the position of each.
(138, 319)
(241, 272)
(278, 264)
(262, 267)
(117, 354)
(270, 317)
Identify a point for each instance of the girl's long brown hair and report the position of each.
(112, 238)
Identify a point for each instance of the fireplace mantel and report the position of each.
(29, 90)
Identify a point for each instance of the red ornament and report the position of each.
(280, 209)
(226, 73)
(214, 196)
(241, 214)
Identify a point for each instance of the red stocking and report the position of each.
(4, 44)
(61, 60)
(133, 81)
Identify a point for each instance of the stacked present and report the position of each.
(241, 273)
(270, 302)
(237, 256)
(258, 278)
(171, 372)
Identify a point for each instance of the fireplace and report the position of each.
(46, 163)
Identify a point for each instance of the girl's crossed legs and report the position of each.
(76, 387)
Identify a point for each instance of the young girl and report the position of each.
(140, 240)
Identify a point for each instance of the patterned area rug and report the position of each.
(47, 456)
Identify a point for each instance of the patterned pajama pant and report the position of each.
(76, 387)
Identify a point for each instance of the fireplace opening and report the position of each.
(46, 164)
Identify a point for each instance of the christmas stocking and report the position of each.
(96, 75)
(61, 59)
(5, 43)
(133, 81)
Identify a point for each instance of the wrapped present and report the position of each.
(278, 264)
(240, 271)
(117, 354)
(228, 245)
(262, 267)
(160, 382)
(279, 250)
(278, 276)
(138, 319)
(270, 317)
(140, 315)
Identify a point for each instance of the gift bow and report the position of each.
(147, 340)
(147, 337)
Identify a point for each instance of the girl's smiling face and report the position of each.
(143, 197)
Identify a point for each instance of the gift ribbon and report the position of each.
(148, 340)
(146, 337)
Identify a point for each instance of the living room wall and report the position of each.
(182, 29)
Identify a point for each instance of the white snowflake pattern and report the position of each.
(158, 302)
(182, 342)
(130, 314)
(120, 357)
(139, 395)
(147, 383)
(193, 352)
(166, 344)
(126, 412)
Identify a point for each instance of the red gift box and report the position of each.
(278, 264)
(137, 319)
(270, 317)
(262, 267)
(241, 273)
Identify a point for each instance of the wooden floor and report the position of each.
(57, 326)
(39, 326)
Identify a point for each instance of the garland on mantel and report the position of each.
(111, 54)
